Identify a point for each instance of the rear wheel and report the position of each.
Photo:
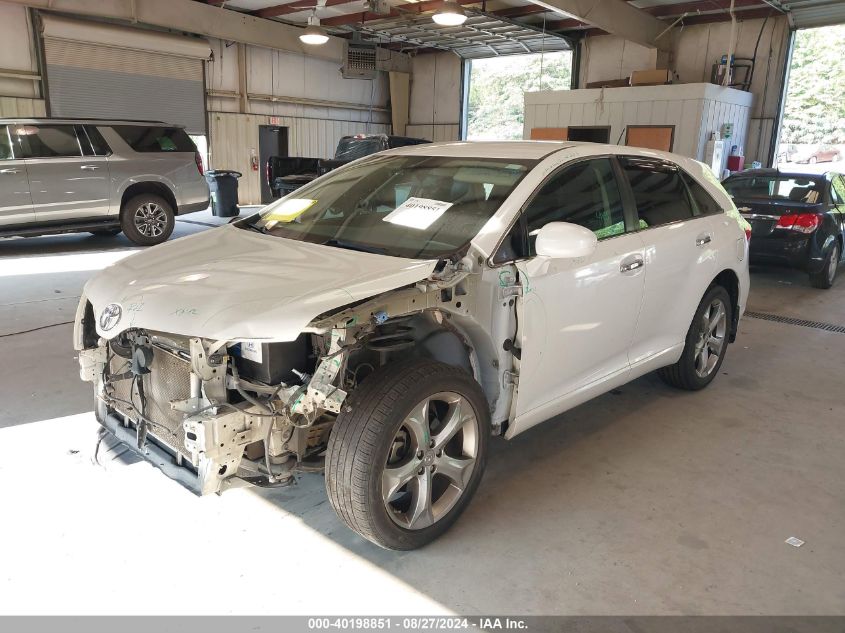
(825, 277)
(407, 453)
(147, 219)
(706, 343)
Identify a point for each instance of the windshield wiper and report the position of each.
(257, 229)
(351, 246)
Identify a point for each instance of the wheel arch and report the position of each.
(149, 187)
(449, 338)
(729, 280)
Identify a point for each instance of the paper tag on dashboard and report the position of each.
(417, 213)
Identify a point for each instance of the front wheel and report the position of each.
(407, 453)
(825, 277)
(147, 219)
(706, 343)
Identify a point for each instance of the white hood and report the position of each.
(231, 284)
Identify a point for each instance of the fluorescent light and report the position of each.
(449, 14)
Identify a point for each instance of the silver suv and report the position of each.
(101, 177)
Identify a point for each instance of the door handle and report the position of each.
(10, 170)
(90, 167)
(703, 239)
(631, 265)
(744, 209)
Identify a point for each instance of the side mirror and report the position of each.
(562, 240)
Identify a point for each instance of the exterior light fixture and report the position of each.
(314, 34)
(449, 14)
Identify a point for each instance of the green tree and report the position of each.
(497, 85)
(815, 99)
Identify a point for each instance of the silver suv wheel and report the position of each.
(150, 220)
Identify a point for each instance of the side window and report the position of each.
(586, 194)
(47, 141)
(703, 202)
(838, 190)
(660, 194)
(96, 145)
(5, 144)
(143, 138)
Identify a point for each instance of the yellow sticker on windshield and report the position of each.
(289, 210)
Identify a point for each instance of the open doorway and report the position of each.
(272, 141)
(812, 132)
(495, 89)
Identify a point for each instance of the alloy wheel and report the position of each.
(711, 340)
(431, 460)
(150, 219)
(833, 264)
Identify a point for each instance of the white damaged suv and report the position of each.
(382, 322)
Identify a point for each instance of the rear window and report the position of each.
(792, 188)
(353, 147)
(143, 138)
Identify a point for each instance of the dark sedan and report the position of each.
(796, 219)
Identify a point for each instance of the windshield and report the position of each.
(791, 188)
(424, 207)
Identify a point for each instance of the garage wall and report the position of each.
(307, 95)
(694, 50)
(435, 104)
(19, 96)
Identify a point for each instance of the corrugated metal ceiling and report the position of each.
(812, 13)
(507, 27)
(482, 35)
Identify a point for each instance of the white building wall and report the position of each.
(435, 104)
(695, 110)
(19, 96)
(694, 51)
(307, 95)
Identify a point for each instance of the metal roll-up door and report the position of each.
(111, 72)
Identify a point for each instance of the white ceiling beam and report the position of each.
(616, 17)
(210, 21)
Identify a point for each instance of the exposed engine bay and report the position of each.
(262, 411)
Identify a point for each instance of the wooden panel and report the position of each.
(660, 137)
(549, 134)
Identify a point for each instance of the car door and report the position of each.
(15, 201)
(65, 184)
(837, 191)
(680, 256)
(577, 316)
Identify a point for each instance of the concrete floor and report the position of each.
(645, 501)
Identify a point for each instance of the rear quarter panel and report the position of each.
(177, 170)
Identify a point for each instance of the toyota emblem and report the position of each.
(110, 316)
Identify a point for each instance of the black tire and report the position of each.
(825, 277)
(364, 438)
(106, 232)
(161, 223)
(683, 374)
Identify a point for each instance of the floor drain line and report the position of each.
(818, 325)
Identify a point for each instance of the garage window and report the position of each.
(155, 139)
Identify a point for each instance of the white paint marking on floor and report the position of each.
(79, 538)
(40, 264)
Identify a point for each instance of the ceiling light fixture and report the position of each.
(314, 34)
(449, 14)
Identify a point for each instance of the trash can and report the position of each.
(223, 187)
